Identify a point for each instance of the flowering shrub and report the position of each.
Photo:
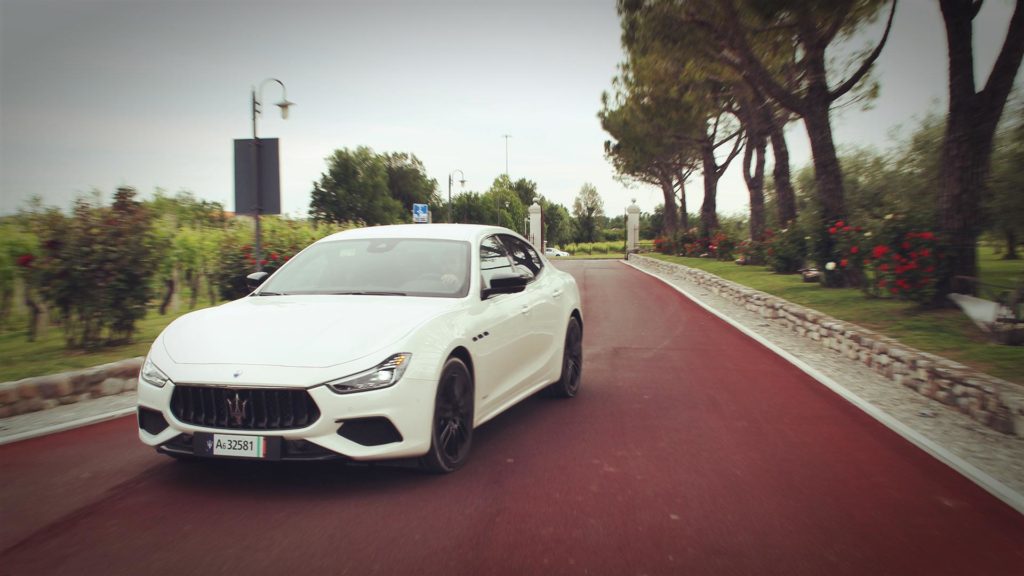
(95, 268)
(664, 245)
(722, 246)
(752, 252)
(786, 251)
(848, 262)
(906, 269)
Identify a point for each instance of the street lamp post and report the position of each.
(506, 137)
(462, 183)
(257, 111)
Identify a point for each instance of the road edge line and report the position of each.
(65, 426)
(991, 485)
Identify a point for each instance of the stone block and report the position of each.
(110, 387)
(26, 405)
(55, 386)
(945, 397)
(8, 393)
(84, 381)
(27, 389)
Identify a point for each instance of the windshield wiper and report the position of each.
(271, 294)
(368, 293)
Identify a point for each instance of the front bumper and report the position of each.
(381, 424)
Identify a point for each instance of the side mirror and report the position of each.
(505, 283)
(255, 279)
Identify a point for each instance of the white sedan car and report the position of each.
(550, 251)
(376, 343)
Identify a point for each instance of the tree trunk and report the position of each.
(684, 216)
(753, 174)
(33, 315)
(827, 174)
(670, 217)
(785, 198)
(709, 209)
(970, 131)
(169, 285)
(1011, 246)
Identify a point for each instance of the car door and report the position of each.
(540, 308)
(499, 331)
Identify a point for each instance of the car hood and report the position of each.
(297, 331)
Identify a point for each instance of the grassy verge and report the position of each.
(945, 332)
(48, 355)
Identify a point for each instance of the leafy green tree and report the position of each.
(972, 119)
(184, 209)
(18, 250)
(408, 181)
(588, 210)
(754, 36)
(96, 267)
(1005, 204)
(470, 208)
(557, 224)
(355, 189)
(508, 209)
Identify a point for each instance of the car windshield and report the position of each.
(377, 266)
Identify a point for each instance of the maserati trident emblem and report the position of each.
(237, 373)
(236, 409)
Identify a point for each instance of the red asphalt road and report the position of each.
(691, 450)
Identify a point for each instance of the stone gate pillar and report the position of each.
(632, 227)
(536, 227)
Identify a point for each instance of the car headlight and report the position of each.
(380, 376)
(152, 375)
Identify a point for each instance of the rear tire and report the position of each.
(572, 363)
(451, 429)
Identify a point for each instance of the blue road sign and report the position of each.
(420, 213)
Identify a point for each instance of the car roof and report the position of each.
(465, 232)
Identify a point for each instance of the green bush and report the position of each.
(786, 250)
(96, 267)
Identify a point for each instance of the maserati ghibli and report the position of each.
(388, 342)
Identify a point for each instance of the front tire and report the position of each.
(451, 430)
(572, 362)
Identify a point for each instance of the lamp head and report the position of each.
(283, 105)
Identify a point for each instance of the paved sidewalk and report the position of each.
(33, 424)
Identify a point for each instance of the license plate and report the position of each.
(238, 446)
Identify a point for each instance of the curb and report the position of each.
(65, 426)
(961, 466)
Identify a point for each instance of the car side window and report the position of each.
(493, 259)
(524, 257)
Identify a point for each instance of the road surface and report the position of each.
(691, 450)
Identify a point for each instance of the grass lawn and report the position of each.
(945, 332)
(47, 355)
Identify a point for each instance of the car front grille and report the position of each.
(243, 408)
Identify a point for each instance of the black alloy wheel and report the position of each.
(572, 362)
(451, 434)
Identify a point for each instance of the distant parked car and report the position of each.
(377, 343)
(549, 251)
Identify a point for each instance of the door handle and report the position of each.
(556, 293)
(525, 310)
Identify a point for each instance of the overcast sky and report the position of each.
(95, 94)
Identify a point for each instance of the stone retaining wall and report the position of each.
(43, 392)
(991, 401)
